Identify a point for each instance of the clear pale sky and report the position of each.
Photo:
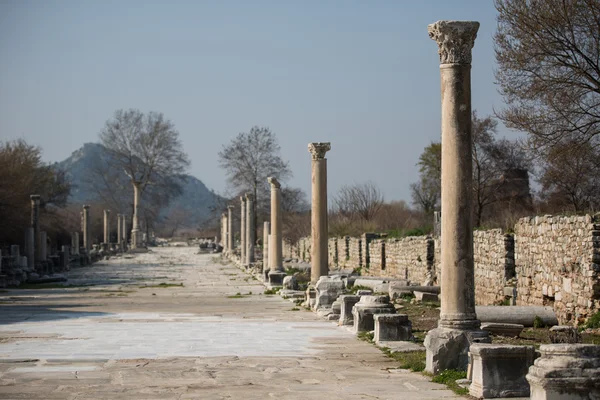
(361, 74)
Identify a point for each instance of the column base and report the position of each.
(276, 278)
(448, 348)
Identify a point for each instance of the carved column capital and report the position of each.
(242, 199)
(318, 150)
(35, 198)
(249, 197)
(455, 40)
(230, 207)
(274, 182)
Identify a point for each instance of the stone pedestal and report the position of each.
(566, 371)
(392, 327)
(311, 296)
(448, 345)
(250, 229)
(276, 278)
(319, 227)
(498, 370)
(329, 288)
(364, 310)
(347, 302)
(242, 230)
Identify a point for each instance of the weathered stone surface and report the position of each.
(424, 296)
(364, 310)
(290, 282)
(523, 315)
(498, 370)
(328, 290)
(566, 371)
(392, 327)
(319, 235)
(502, 329)
(449, 348)
(347, 303)
(276, 278)
(564, 334)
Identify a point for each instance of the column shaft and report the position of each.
(250, 230)
(242, 230)
(230, 244)
(266, 231)
(319, 228)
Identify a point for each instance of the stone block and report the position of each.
(364, 310)
(347, 303)
(502, 329)
(276, 278)
(449, 348)
(566, 371)
(392, 327)
(498, 370)
(564, 334)
(523, 315)
(329, 288)
(424, 296)
(290, 282)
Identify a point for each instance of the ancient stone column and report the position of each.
(319, 228)
(119, 232)
(447, 346)
(87, 230)
(250, 230)
(276, 273)
(75, 242)
(136, 235)
(124, 232)
(243, 230)
(106, 227)
(266, 231)
(223, 230)
(230, 244)
(35, 224)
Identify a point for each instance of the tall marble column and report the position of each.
(35, 224)
(242, 230)
(319, 227)
(136, 235)
(75, 242)
(223, 230)
(250, 229)
(107, 227)
(276, 273)
(87, 230)
(266, 231)
(230, 244)
(448, 345)
(119, 232)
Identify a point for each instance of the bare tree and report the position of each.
(548, 56)
(148, 151)
(426, 193)
(249, 159)
(361, 200)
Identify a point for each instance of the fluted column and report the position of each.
(250, 229)
(230, 244)
(455, 40)
(242, 230)
(319, 228)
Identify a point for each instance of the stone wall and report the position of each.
(557, 262)
(493, 255)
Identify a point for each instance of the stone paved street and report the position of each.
(119, 334)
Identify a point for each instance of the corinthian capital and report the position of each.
(455, 40)
(274, 182)
(318, 150)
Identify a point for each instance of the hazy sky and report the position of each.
(361, 74)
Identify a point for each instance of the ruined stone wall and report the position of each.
(355, 259)
(557, 262)
(494, 265)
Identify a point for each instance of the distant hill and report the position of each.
(195, 202)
